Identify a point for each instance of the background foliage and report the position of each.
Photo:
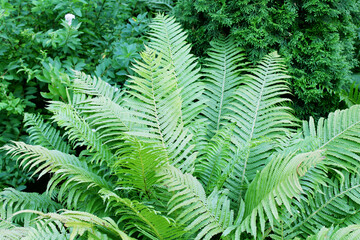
(38, 49)
(316, 37)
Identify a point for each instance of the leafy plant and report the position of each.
(40, 50)
(181, 154)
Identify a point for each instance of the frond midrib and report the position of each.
(324, 205)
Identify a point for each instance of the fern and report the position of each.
(44, 134)
(12, 201)
(75, 177)
(222, 74)
(261, 113)
(168, 39)
(352, 96)
(81, 222)
(201, 216)
(349, 232)
(156, 100)
(39, 230)
(147, 221)
(339, 135)
(136, 163)
(277, 184)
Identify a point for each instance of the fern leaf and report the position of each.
(93, 86)
(81, 222)
(222, 77)
(351, 96)
(339, 134)
(260, 113)
(12, 201)
(137, 164)
(42, 133)
(214, 160)
(79, 132)
(38, 230)
(336, 204)
(202, 216)
(274, 186)
(76, 177)
(143, 219)
(345, 233)
(157, 102)
(168, 39)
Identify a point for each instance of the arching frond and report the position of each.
(144, 220)
(75, 177)
(42, 133)
(351, 96)
(83, 222)
(169, 40)
(12, 200)
(10, 231)
(39, 229)
(214, 160)
(137, 164)
(203, 217)
(79, 132)
(336, 204)
(222, 77)
(260, 113)
(93, 86)
(156, 100)
(274, 186)
(339, 134)
(345, 233)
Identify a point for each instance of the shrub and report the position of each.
(184, 153)
(316, 38)
(39, 51)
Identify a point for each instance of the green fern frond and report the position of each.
(214, 160)
(137, 164)
(345, 233)
(169, 39)
(12, 200)
(351, 96)
(274, 186)
(75, 177)
(336, 204)
(79, 132)
(260, 113)
(93, 86)
(157, 102)
(202, 216)
(339, 134)
(137, 217)
(40, 229)
(9, 231)
(80, 223)
(222, 77)
(42, 133)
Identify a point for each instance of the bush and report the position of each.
(316, 38)
(40, 50)
(184, 153)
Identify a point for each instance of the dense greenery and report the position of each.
(183, 152)
(39, 50)
(316, 37)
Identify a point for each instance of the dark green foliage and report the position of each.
(39, 51)
(316, 37)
